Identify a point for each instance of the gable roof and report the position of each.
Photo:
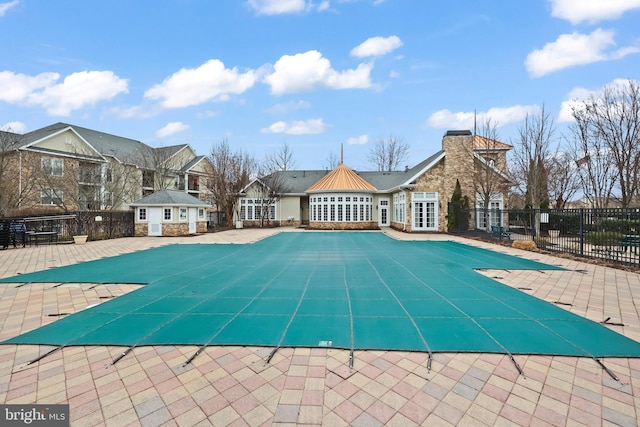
(341, 178)
(491, 166)
(169, 198)
(9, 140)
(104, 143)
(299, 182)
(482, 143)
(192, 163)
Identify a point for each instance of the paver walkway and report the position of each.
(152, 386)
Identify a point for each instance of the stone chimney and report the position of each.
(458, 164)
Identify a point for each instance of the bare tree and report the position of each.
(532, 154)
(163, 163)
(533, 151)
(270, 187)
(231, 173)
(281, 159)
(332, 161)
(9, 168)
(121, 183)
(389, 154)
(613, 117)
(488, 178)
(594, 167)
(69, 183)
(563, 181)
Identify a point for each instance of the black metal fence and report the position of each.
(60, 228)
(608, 234)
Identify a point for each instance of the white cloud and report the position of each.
(304, 72)
(78, 90)
(500, 116)
(300, 127)
(575, 49)
(358, 140)
(324, 5)
(15, 127)
(591, 10)
(576, 97)
(171, 129)
(376, 46)
(15, 88)
(4, 7)
(277, 7)
(207, 114)
(289, 107)
(194, 86)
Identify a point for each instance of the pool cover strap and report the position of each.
(350, 290)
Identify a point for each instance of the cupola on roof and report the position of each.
(341, 179)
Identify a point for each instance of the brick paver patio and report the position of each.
(152, 386)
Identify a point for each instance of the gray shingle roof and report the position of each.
(169, 198)
(297, 181)
(126, 150)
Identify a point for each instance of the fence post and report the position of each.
(532, 222)
(581, 231)
(499, 213)
(79, 223)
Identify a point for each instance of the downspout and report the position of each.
(103, 186)
(404, 223)
(19, 179)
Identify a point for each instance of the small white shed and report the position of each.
(170, 213)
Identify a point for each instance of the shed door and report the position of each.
(155, 221)
(193, 214)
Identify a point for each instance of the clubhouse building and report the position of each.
(413, 200)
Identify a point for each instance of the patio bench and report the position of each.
(500, 231)
(42, 236)
(630, 241)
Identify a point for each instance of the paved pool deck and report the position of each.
(151, 386)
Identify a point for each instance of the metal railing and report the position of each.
(607, 234)
(97, 225)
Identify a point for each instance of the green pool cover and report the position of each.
(352, 290)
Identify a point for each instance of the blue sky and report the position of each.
(313, 74)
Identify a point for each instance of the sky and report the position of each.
(320, 76)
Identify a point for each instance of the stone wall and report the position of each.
(170, 229)
(458, 164)
(141, 229)
(366, 225)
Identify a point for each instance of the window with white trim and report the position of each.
(142, 214)
(51, 197)
(496, 204)
(400, 207)
(183, 214)
(424, 206)
(257, 209)
(52, 167)
(167, 214)
(201, 214)
(340, 207)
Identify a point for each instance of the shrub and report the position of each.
(527, 245)
(603, 238)
(622, 226)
